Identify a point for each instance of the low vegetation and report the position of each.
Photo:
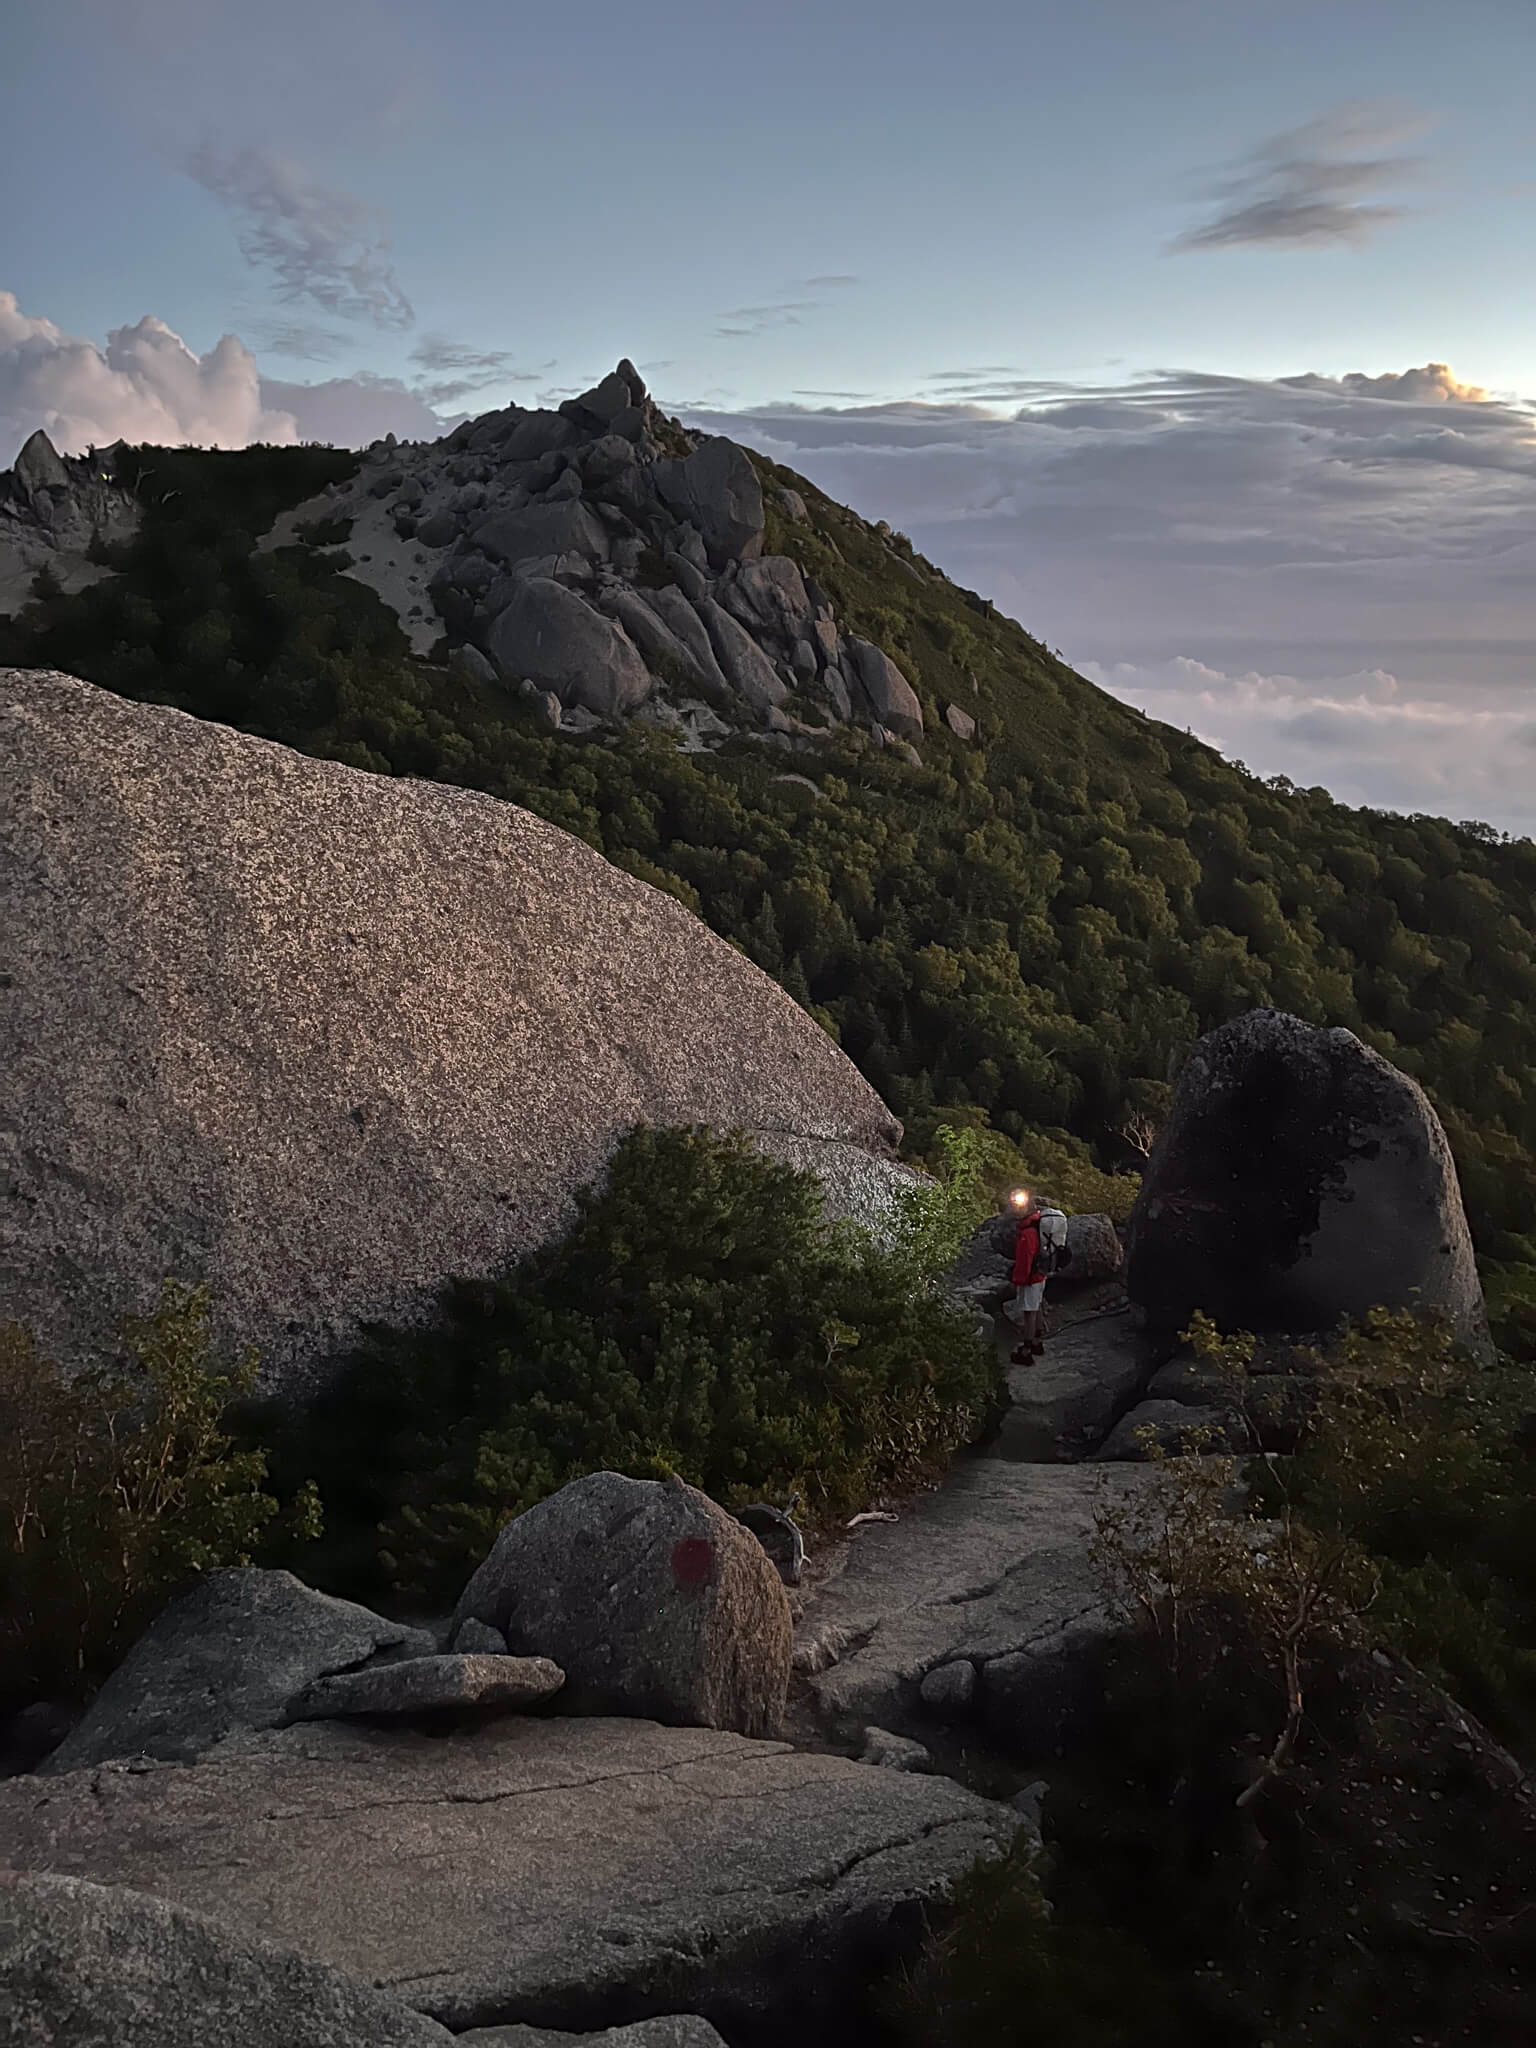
(116, 1484)
(1273, 1827)
(701, 1317)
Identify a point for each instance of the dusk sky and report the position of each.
(1201, 334)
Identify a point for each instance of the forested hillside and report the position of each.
(1026, 931)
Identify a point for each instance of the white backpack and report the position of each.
(1053, 1241)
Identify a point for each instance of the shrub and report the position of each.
(1421, 1457)
(701, 1317)
(115, 1485)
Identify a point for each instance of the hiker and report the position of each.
(1039, 1250)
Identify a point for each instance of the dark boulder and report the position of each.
(716, 489)
(1299, 1178)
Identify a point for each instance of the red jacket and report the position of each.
(1026, 1252)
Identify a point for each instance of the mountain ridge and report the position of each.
(1022, 916)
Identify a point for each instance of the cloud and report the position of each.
(317, 242)
(454, 369)
(1320, 527)
(301, 341)
(145, 385)
(1314, 186)
(350, 412)
(744, 322)
(1362, 736)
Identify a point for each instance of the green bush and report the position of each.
(115, 1485)
(701, 1317)
(1424, 1459)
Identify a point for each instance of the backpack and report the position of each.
(1055, 1254)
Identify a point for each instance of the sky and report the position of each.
(1200, 336)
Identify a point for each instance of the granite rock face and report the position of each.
(334, 1036)
(651, 1599)
(225, 1658)
(464, 1682)
(981, 1603)
(637, 521)
(52, 507)
(554, 638)
(569, 1873)
(101, 1966)
(1300, 1177)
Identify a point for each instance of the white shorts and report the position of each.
(1028, 1299)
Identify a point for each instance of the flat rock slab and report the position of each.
(567, 1873)
(1066, 1403)
(994, 1566)
(426, 1685)
(676, 2030)
(98, 1966)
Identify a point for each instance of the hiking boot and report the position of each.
(1023, 1355)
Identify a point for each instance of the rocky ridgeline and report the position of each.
(610, 564)
(54, 511)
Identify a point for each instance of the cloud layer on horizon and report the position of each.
(1255, 560)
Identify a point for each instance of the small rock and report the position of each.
(891, 697)
(1095, 1246)
(438, 530)
(690, 580)
(1030, 1801)
(960, 723)
(949, 1690)
(1175, 1425)
(894, 1752)
(469, 665)
(424, 1685)
(477, 1639)
(795, 506)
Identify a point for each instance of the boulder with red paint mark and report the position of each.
(653, 1601)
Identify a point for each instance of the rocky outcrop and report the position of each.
(980, 1605)
(571, 1873)
(657, 552)
(1062, 1405)
(224, 1658)
(891, 697)
(335, 1036)
(1300, 1177)
(1097, 1252)
(102, 1966)
(54, 511)
(651, 1599)
(461, 1683)
(549, 635)
(715, 489)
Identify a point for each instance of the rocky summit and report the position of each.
(610, 563)
(333, 1036)
(58, 512)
